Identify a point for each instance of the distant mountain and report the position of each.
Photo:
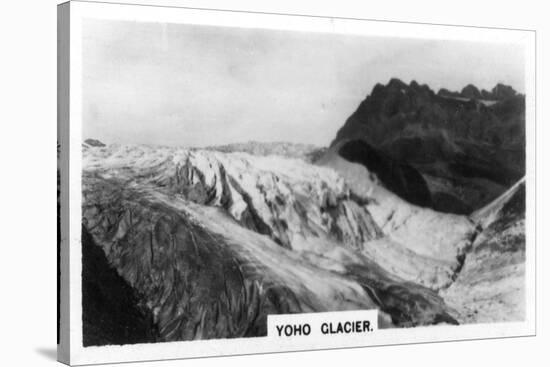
(307, 152)
(93, 143)
(469, 147)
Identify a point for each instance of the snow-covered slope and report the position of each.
(481, 258)
(420, 244)
(298, 205)
(491, 284)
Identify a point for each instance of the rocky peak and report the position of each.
(396, 83)
(470, 91)
(501, 92)
(397, 86)
(396, 97)
(433, 133)
(444, 92)
(93, 143)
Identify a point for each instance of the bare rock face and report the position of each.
(468, 146)
(213, 242)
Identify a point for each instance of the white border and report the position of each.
(188, 349)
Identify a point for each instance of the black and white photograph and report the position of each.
(231, 173)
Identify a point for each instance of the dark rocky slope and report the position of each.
(399, 177)
(468, 146)
(112, 312)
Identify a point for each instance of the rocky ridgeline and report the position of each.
(500, 92)
(469, 147)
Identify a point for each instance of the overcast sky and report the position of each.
(173, 84)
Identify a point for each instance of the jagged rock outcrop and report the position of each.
(468, 148)
(214, 242)
(500, 92)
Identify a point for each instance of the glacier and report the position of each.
(212, 241)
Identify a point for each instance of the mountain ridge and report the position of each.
(469, 150)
